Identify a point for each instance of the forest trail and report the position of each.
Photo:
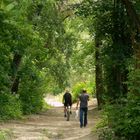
(51, 125)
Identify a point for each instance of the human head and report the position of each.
(67, 90)
(84, 90)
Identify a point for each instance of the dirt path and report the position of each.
(51, 125)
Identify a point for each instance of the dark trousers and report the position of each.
(83, 116)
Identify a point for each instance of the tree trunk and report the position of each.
(15, 78)
(116, 71)
(98, 71)
(132, 13)
(136, 23)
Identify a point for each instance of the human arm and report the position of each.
(70, 97)
(88, 98)
(63, 100)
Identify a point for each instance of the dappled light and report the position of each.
(68, 67)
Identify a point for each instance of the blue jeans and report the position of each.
(83, 116)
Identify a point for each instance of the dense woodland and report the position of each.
(48, 45)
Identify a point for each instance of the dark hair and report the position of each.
(84, 91)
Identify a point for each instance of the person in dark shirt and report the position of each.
(67, 101)
(83, 99)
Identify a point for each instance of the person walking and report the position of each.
(83, 99)
(67, 101)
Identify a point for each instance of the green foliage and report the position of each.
(56, 90)
(36, 32)
(123, 117)
(108, 134)
(132, 112)
(77, 89)
(124, 121)
(48, 21)
(31, 90)
(31, 98)
(82, 60)
(110, 23)
(10, 107)
(6, 134)
(45, 106)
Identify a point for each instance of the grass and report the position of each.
(6, 134)
(45, 106)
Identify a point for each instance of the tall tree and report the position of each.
(135, 22)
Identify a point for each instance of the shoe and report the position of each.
(81, 126)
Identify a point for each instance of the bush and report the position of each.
(122, 118)
(10, 107)
(6, 134)
(31, 99)
(123, 121)
(107, 133)
(31, 88)
(76, 90)
(31, 95)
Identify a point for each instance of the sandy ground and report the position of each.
(51, 125)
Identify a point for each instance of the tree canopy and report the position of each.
(46, 46)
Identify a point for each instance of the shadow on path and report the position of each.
(51, 125)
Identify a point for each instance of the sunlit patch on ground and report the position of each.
(51, 124)
(51, 100)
